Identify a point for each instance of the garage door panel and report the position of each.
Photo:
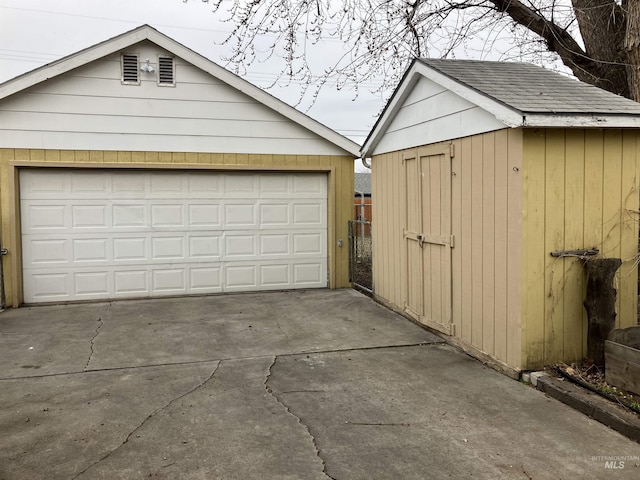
(241, 186)
(129, 215)
(167, 215)
(204, 215)
(308, 273)
(129, 184)
(309, 186)
(91, 284)
(168, 281)
(89, 216)
(131, 283)
(48, 286)
(38, 217)
(205, 247)
(90, 250)
(275, 244)
(238, 277)
(205, 185)
(45, 184)
(46, 251)
(205, 279)
(274, 214)
(168, 248)
(240, 247)
(276, 186)
(136, 234)
(129, 249)
(305, 214)
(88, 185)
(240, 215)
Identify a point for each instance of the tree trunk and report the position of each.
(600, 303)
(632, 47)
(602, 28)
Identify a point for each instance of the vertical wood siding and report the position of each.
(340, 190)
(581, 191)
(486, 222)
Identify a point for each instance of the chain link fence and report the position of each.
(361, 255)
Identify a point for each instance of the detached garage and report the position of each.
(138, 168)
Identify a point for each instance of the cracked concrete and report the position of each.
(148, 417)
(306, 427)
(287, 385)
(93, 343)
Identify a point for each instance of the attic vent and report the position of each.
(165, 71)
(130, 69)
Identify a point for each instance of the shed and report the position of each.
(480, 170)
(139, 168)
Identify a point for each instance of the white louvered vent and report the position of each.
(166, 71)
(130, 69)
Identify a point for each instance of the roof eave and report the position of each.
(509, 116)
(560, 120)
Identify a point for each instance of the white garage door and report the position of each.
(117, 234)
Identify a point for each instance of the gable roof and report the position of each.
(532, 89)
(362, 182)
(517, 94)
(146, 32)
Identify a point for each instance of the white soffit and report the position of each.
(146, 32)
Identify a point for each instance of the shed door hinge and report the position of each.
(452, 150)
(453, 241)
(4, 251)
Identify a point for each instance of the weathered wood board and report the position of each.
(622, 360)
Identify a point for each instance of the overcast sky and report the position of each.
(36, 32)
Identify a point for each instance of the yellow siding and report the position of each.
(486, 222)
(339, 169)
(580, 191)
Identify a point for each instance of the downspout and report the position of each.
(366, 163)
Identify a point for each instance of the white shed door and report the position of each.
(89, 234)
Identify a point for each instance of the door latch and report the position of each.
(420, 240)
(4, 251)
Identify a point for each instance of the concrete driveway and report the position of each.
(295, 385)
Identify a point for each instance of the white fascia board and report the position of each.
(581, 121)
(146, 32)
(508, 116)
(254, 92)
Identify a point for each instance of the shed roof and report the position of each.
(146, 32)
(362, 182)
(533, 89)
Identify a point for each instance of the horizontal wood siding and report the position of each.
(339, 168)
(581, 191)
(486, 222)
(90, 108)
(432, 114)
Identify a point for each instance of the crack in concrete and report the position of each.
(298, 419)
(93, 344)
(149, 417)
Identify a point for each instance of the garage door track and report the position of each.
(289, 385)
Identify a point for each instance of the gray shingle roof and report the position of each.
(532, 89)
(363, 182)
